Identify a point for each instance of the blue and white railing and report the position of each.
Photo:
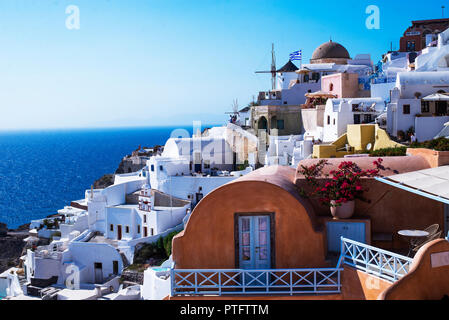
(238, 281)
(372, 260)
(384, 264)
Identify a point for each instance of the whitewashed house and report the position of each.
(288, 150)
(189, 168)
(419, 101)
(147, 213)
(341, 112)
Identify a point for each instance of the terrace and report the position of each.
(383, 264)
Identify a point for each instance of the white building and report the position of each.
(293, 83)
(341, 112)
(435, 58)
(419, 101)
(190, 168)
(288, 150)
(444, 133)
(152, 214)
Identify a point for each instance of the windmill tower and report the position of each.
(273, 68)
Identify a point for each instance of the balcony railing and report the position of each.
(372, 260)
(241, 282)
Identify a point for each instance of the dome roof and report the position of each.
(330, 50)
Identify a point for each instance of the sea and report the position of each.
(42, 171)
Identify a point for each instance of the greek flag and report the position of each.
(297, 55)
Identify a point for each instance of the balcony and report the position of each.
(241, 282)
(383, 264)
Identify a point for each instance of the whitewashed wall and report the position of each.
(426, 128)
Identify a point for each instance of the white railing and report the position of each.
(372, 260)
(54, 255)
(251, 282)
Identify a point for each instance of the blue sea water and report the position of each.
(43, 171)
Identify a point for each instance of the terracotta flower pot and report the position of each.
(345, 211)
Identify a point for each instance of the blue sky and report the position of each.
(148, 63)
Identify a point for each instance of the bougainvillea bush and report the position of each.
(341, 185)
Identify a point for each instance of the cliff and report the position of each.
(11, 246)
(130, 163)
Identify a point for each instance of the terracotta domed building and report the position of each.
(330, 52)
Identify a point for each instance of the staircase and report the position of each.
(124, 259)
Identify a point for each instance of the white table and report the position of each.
(413, 235)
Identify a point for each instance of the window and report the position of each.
(356, 119)
(206, 164)
(406, 109)
(367, 118)
(334, 121)
(328, 119)
(127, 229)
(355, 107)
(115, 267)
(425, 107)
(161, 168)
(138, 228)
(331, 87)
(411, 45)
(111, 228)
(280, 124)
(144, 218)
(152, 231)
(152, 167)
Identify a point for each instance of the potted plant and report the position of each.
(340, 187)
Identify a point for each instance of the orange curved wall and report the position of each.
(423, 282)
(208, 240)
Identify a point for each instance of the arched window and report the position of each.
(331, 87)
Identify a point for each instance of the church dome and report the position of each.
(330, 50)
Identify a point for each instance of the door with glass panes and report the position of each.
(254, 242)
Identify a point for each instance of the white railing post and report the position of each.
(291, 283)
(172, 275)
(196, 282)
(395, 268)
(339, 281)
(343, 247)
(267, 284)
(219, 283)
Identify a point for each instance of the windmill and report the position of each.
(273, 68)
(235, 111)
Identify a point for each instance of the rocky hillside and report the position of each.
(130, 163)
(11, 245)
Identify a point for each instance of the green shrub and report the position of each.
(389, 152)
(55, 234)
(150, 250)
(168, 241)
(159, 250)
(241, 167)
(440, 144)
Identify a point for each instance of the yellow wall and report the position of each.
(383, 140)
(358, 136)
